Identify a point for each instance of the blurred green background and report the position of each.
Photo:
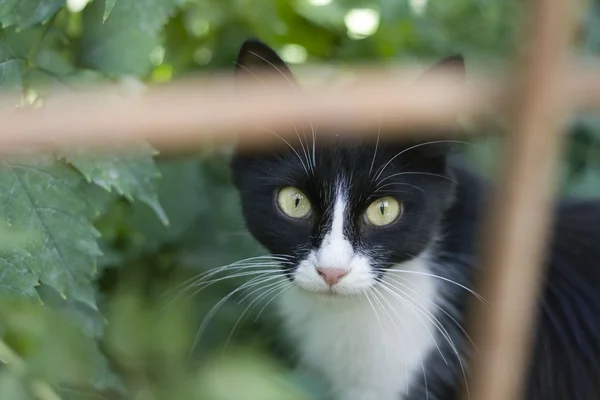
(92, 305)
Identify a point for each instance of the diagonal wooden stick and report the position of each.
(517, 229)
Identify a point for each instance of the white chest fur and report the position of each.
(366, 347)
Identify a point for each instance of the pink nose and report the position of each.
(332, 275)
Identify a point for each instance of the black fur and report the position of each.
(442, 200)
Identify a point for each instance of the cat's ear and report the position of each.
(454, 65)
(431, 153)
(256, 59)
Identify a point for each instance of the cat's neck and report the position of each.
(381, 337)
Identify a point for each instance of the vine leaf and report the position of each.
(10, 77)
(45, 199)
(132, 175)
(26, 13)
(110, 4)
(123, 43)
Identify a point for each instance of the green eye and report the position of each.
(383, 211)
(293, 202)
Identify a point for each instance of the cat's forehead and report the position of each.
(348, 159)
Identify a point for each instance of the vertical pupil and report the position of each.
(296, 201)
(382, 208)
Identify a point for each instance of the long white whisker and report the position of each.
(416, 312)
(411, 148)
(403, 271)
(376, 147)
(427, 314)
(399, 183)
(245, 261)
(213, 311)
(276, 284)
(197, 280)
(416, 173)
(444, 333)
(251, 289)
(291, 147)
(378, 295)
(295, 88)
(206, 284)
(314, 136)
(232, 268)
(374, 310)
(283, 288)
(395, 279)
(304, 150)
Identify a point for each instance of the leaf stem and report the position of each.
(41, 390)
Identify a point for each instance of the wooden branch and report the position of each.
(517, 229)
(186, 115)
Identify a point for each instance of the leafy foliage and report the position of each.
(45, 199)
(97, 248)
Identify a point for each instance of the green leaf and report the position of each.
(46, 199)
(91, 323)
(12, 387)
(131, 175)
(123, 42)
(37, 337)
(6, 7)
(26, 13)
(10, 76)
(110, 4)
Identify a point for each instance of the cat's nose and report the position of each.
(331, 276)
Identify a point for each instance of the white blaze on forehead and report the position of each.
(336, 251)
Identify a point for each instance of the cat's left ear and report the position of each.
(434, 150)
(256, 59)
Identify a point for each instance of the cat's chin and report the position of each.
(332, 292)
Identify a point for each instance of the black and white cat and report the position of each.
(379, 241)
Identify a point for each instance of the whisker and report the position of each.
(197, 280)
(378, 296)
(416, 312)
(252, 291)
(374, 310)
(439, 326)
(395, 279)
(211, 314)
(403, 271)
(211, 282)
(417, 173)
(314, 136)
(239, 265)
(399, 183)
(376, 147)
(426, 312)
(223, 267)
(276, 68)
(304, 150)
(276, 284)
(202, 278)
(295, 89)
(291, 147)
(411, 148)
(283, 288)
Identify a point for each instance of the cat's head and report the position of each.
(340, 210)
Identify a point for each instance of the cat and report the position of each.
(378, 241)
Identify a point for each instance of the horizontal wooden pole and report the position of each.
(189, 114)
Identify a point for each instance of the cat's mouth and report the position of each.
(332, 291)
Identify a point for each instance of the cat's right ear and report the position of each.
(455, 65)
(256, 60)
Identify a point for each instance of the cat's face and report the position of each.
(341, 210)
